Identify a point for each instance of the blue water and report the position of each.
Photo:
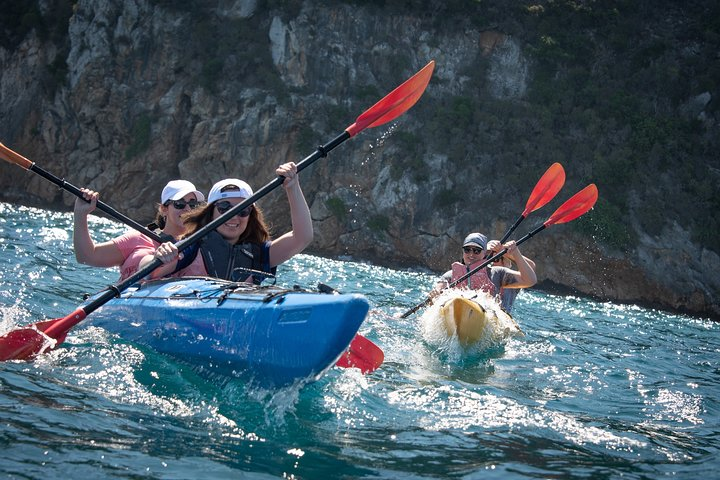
(593, 390)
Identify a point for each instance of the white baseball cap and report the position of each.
(177, 189)
(242, 190)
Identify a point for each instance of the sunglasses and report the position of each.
(223, 207)
(181, 204)
(475, 250)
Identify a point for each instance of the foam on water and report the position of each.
(499, 328)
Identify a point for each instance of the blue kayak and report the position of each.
(272, 335)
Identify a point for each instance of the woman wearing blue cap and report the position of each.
(492, 279)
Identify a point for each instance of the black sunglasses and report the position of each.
(181, 204)
(475, 250)
(223, 207)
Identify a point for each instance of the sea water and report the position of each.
(592, 390)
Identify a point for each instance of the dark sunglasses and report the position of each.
(223, 207)
(475, 250)
(181, 204)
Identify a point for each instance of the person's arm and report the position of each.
(441, 284)
(168, 254)
(529, 262)
(525, 275)
(437, 288)
(105, 254)
(293, 242)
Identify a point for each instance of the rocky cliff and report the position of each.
(123, 95)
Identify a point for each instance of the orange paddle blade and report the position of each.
(575, 206)
(394, 103)
(14, 157)
(362, 354)
(547, 187)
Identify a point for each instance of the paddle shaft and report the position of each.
(512, 229)
(321, 151)
(100, 205)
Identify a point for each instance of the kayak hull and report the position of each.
(464, 318)
(275, 336)
(474, 318)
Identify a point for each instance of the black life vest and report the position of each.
(230, 262)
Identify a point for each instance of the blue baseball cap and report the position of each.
(477, 239)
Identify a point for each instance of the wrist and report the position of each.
(292, 186)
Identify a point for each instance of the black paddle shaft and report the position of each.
(100, 205)
(512, 229)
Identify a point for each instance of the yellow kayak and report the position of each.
(474, 317)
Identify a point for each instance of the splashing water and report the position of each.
(592, 389)
(498, 326)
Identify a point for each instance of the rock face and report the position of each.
(153, 92)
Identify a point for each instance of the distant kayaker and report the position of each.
(507, 294)
(127, 250)
(492, 279)
(243, 243)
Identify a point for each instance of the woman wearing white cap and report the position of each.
(241, 245)
(492, 280)
(128, 249)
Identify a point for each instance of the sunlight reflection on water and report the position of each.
(593, 389)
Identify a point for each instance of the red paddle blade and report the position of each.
(575, 206)
(395, 103)
(547, 187)
(23, 344)
(362, 354)
(27, 342)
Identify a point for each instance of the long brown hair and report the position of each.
(160, 219)
(256, 231)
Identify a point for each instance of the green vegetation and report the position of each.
(604, 223)
(337, 115)
(337, 208)
(446, 198)
(378, 223)
(57, 71)
(599, 78)
(306, 140)
(19, 19)
(233, 51)
(140, 135)
(410, 158)
(210, 74)
(367, 92)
